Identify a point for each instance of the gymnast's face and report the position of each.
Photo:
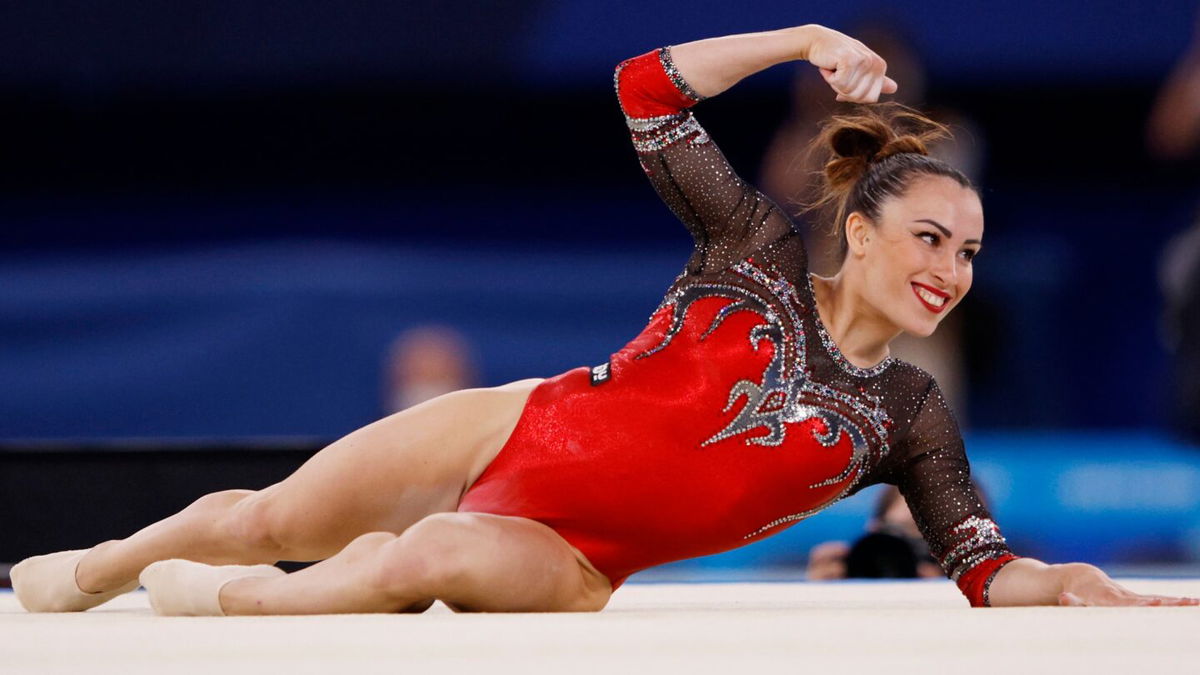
(918, 257)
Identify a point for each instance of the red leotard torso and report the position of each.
(732, 415)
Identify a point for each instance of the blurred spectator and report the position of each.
(425, 362)
(1173, 133)
(789, 177)
(892, 548)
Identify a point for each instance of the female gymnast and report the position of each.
(756, 396)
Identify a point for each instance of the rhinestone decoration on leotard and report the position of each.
(668, 65)
(653, 136)
(987, 585)
(836, 354)
(861, 418)
(974, 540)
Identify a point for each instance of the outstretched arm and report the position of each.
(934, 477)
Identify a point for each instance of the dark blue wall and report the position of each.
(230, 43)
(215, 215)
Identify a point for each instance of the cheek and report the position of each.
(886, 281)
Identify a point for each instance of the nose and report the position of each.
(945, 270)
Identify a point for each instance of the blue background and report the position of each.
(217, 215)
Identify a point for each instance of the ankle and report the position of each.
(88, 573)
(238, 597)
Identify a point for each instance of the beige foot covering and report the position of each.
(186, 588)
(46, 583)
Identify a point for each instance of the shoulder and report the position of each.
(918, 406)
(912, 380)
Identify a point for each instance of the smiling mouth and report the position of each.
(933, 299)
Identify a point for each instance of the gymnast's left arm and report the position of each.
(935, 478)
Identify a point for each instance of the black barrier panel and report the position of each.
(66, 496)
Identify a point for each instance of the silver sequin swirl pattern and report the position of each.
(785, 385)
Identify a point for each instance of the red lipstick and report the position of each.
(933, 308)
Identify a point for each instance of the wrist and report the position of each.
(1060, 575)
(802, 37)
(1069, 576)
(1026, 581)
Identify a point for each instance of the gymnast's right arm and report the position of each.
(728, 218)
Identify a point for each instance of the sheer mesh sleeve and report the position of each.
(935, 479)
(728, 218)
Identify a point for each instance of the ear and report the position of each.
(858, 232)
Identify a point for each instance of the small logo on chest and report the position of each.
(601, 374)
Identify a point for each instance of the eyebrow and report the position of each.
(945, 230)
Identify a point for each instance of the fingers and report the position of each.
(852, 70)
(1169, 601)
(1068, 599)
(861, 93)
(859, 77)
(1156, 601)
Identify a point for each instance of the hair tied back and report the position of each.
(871, 155)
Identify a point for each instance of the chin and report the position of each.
(921, 329)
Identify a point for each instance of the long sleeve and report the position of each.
(728, 218)
(935, 479)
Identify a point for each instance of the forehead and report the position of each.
(940, 199)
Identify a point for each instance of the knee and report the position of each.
(219, 502)
(429, 557)
(254, 522)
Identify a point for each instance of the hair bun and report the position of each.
(852, 143)
(905, 143)
(860, 139)
(852, 147)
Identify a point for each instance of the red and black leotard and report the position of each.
(732, 415)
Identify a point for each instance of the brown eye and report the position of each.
(929, 237)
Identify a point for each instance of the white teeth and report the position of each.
(932, 299)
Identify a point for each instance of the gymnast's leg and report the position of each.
(470, 561)
(383, 477)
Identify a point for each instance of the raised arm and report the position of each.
(934, 476)
(853, 71)
(728, 218)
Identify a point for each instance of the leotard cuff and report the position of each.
(655, 97)
(976, 583)
(650, 86)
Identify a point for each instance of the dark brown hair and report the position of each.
(872, 155)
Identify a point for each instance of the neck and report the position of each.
(861, 333)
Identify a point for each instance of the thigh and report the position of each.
(392, 473)
(477, 562)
